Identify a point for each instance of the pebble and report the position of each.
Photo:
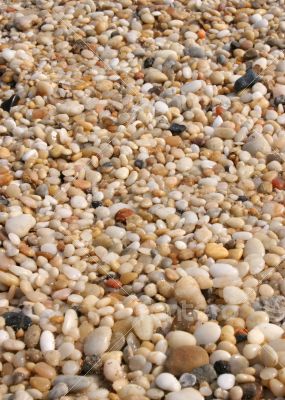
(9, 103)
(249, 79)
(207, 333)
(185, 359)
(187, 380)
(167, 382)
(226, 381)
(98, 341)
(185, 394)
(195, 51)
(17, 320)
(20, 225)
(234, 295)
(70, 107)
(206, 373)
(187, 289)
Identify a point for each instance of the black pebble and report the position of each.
(148, 62)
(11, 102)
(91, 365)
(139, 163)
(234, 45)
(96, 204)
(242, 198)
(17, 320)
(279, 100)
(240, 337)
(222, 367)
(176, 129)
(246, 81)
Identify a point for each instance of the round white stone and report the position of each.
(78, 202)
(161, 107)
(167, 382)
(185, 394)
(184, 164)
(226, 381)
(207, 333)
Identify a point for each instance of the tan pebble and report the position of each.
(216, 251)
(42, 384)
(52, 357)
(175, 141)
(277, 387)
(5, 176)
(128, 277)
(244, 378)
(4, 152)
(44, 370)
(8, 279)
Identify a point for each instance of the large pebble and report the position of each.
(20, 225)
(270, 331)
(257, 143)
(218, 270)
(185, 358)
(253, 246)
(98, 341)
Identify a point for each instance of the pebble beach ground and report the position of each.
(142, 198)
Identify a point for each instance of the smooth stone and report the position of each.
(143, 327)
(187, 380)
(47, 341)
(167, 382)
(219, 270)
(270, 331)
(153, 75)
(254, 246)
(187, 289)
(20, 225)
(206, 373)
(180, 338)
(59, 390)
(195, 51)
(268, 356)
(98, 341)
(256, 318)
(234, 295)
(191, 87)
(112, 370)
(70, 107)
(216, 251)
(185, 394)
(226, 381)
(185, 359)
(207, 333)
(75, 383)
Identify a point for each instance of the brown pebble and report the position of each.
(185, 358)
(123, 214)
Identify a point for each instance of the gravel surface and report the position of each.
(142, 200)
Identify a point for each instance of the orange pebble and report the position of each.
(113, 283)
(201, 34)
(219, 110)
(278, 183)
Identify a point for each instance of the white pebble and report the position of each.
(167, 382)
